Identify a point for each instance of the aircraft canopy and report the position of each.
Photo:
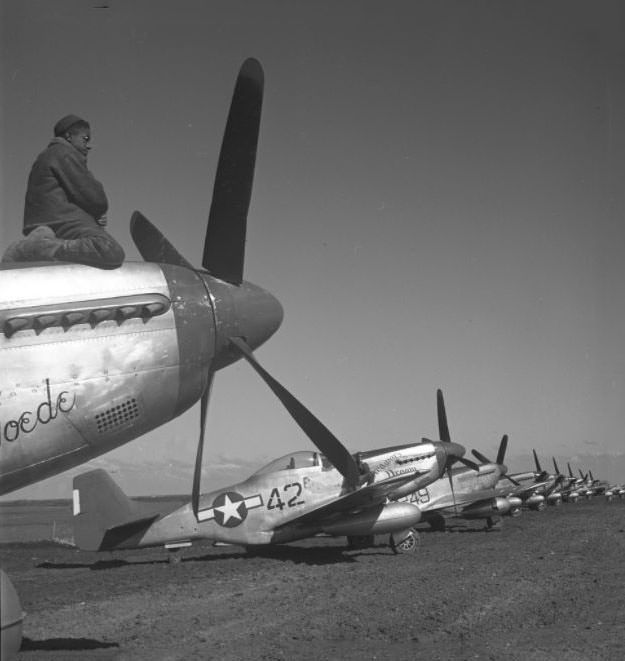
(294, 460)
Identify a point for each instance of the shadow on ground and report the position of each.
(295, 554)
(66, 644)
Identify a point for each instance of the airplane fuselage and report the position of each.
(277, 504)
(470, 486)
(91, 359)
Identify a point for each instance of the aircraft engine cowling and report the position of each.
(376, 521)
(554, 499)
(486, 508)
(535, 502)
(515, 505)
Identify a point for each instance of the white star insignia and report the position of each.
(230, 510)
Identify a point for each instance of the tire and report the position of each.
(409, 544)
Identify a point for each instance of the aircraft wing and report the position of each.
(367, 496)
(525, 490)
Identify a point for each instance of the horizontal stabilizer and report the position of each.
(104, 517)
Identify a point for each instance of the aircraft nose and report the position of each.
(448, 453)
(454, 451)
(259, 314)
(246, 311)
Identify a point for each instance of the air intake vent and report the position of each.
(118, 415)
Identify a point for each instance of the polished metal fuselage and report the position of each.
(469, 486)
(266, 508)
(91, 359)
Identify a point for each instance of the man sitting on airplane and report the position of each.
(65, 208)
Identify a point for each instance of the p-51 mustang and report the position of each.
(469, 492)
(568, 485)
(534, 489)
(296, 496)
(91, 359)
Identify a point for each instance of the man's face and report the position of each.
(80, 139)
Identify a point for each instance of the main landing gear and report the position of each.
(405, 541)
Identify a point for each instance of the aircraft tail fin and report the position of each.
(104, 517)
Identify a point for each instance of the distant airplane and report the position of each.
(92, 358)
(294, 497)
(468, 493)
(614, 491)
(535, 489)
(568, 484)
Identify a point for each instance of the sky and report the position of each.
(438, 202)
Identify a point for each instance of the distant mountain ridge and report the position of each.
(144, 479)
(174, 477)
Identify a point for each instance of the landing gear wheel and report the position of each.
(355, 542)
(406, 543)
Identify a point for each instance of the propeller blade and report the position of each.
(512, 480)
(224, 246)
(316, 431)
(537, 463)
(152, 245)
(503, 446)
(556, 466)
(197, 473)
(469, 463)
(453, 492)
(570, 470)
(443, 427)
(481, 457)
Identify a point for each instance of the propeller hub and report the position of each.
(448, 453)
(244, 310)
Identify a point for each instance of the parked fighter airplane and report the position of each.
(567, 484)
(92, 358)
(551, 490)
(594, 486)
(294, 497)
(613, 492)
(534, 490)
(468, 493)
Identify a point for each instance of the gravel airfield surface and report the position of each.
(548, 585)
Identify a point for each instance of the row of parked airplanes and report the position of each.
(304, 494)
(92, 359)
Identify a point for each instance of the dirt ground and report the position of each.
(548, 585)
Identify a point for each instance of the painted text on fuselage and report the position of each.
(45, 412)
